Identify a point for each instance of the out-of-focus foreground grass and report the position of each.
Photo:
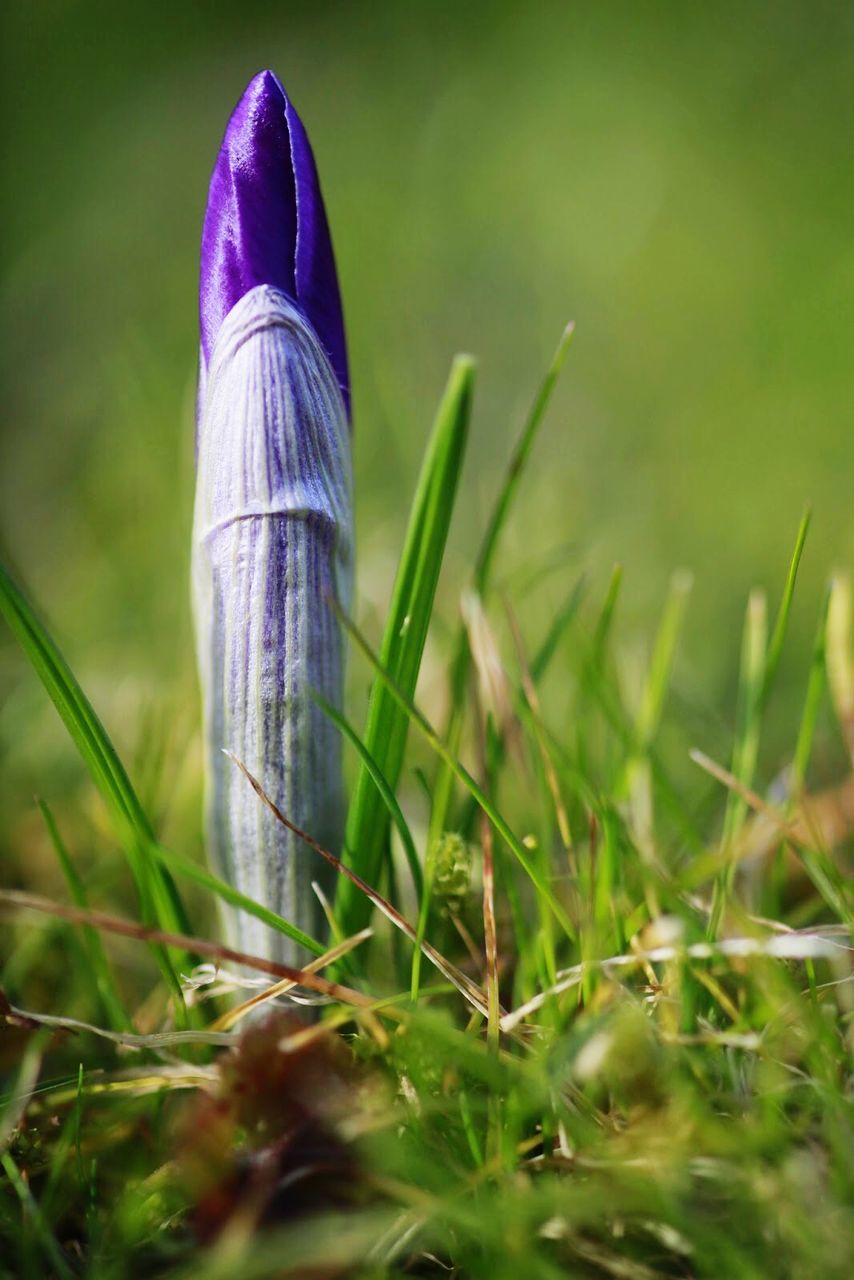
(674, 179)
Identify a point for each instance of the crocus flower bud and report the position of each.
(272, 536)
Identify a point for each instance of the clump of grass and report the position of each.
(582, 1020)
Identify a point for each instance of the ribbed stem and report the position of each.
(272, 542)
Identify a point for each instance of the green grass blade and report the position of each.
(539, 666)
(198, 874)
(97, 956)
(606, 618)
(658, 677)
(563, 619)
(524, 445)
(405, 636)
(637, 780)
(158, 896)
(816, 684)
(71, 703)
(778, 635)
(32, 1212)
(818, 862)
(760, 659)
(754, 647)
(459, 770)
(599, 688)
(388, 797)
(482, 576)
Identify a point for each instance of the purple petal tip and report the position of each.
(265, 223)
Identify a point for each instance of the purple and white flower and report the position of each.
(272, 536)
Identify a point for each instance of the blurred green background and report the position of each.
(676, 178)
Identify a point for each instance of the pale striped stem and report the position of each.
(272, 543)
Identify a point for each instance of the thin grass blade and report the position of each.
(198, 874)
(778, 635)
(159, 898)
(746, 749)
(482, 577)
(101, 972)
(405, 635)
(389, 798)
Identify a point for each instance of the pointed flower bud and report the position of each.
(272, 536)
(265, 223)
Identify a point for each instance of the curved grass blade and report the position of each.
(159, 899)
(388, 796)
(76, 711)
(405, 635)
(200, 875)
